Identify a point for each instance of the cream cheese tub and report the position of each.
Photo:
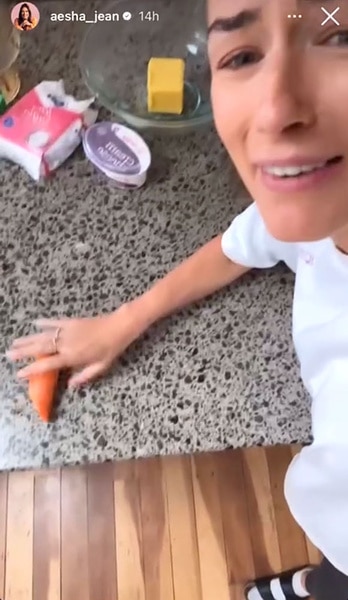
(118, 152)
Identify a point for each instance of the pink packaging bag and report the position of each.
(44, 128)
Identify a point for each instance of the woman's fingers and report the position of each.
(52, 363)
(34, 347)
(43, 338)
(86, 375)
(88, 344)
(37, 338)
(30, 351)
(46, 324)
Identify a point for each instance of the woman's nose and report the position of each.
(284, 102)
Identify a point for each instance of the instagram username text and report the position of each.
(83, 17)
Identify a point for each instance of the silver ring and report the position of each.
(56, 339)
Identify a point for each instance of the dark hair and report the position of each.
(20, 18)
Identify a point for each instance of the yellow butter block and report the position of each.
(165, 85)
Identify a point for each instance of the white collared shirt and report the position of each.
(316, 485)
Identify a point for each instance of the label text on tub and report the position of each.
(113, 155)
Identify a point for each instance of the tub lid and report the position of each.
(116, 149)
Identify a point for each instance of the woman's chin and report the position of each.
(297, 230)
(297, 221)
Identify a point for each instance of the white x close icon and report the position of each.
(330, 16)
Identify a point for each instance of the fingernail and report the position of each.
(14, 356)
(76, 384)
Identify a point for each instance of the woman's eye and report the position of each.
(240, 60)
(338, 39)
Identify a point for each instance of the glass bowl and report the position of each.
(114, 58)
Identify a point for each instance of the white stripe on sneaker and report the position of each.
(254, 594)
(297, 584)
(277, 590)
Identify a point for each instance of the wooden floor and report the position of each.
(192, 528)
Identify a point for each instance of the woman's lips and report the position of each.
(302, 182)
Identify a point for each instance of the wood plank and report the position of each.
(314, 555)
(211, 543)
(235, 518)
(46, 574)
(292, 541)
(129, 551)
(3, 519)
(182, 523)
(74, 540)
(101, 532)
(262, 519)
(19, 547)
(155, 531)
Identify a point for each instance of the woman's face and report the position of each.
(25, 13)
(280, 100)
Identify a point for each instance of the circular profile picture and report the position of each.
(25, 16)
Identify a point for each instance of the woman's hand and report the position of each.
(88, 346)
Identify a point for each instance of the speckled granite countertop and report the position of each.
(222, 374)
